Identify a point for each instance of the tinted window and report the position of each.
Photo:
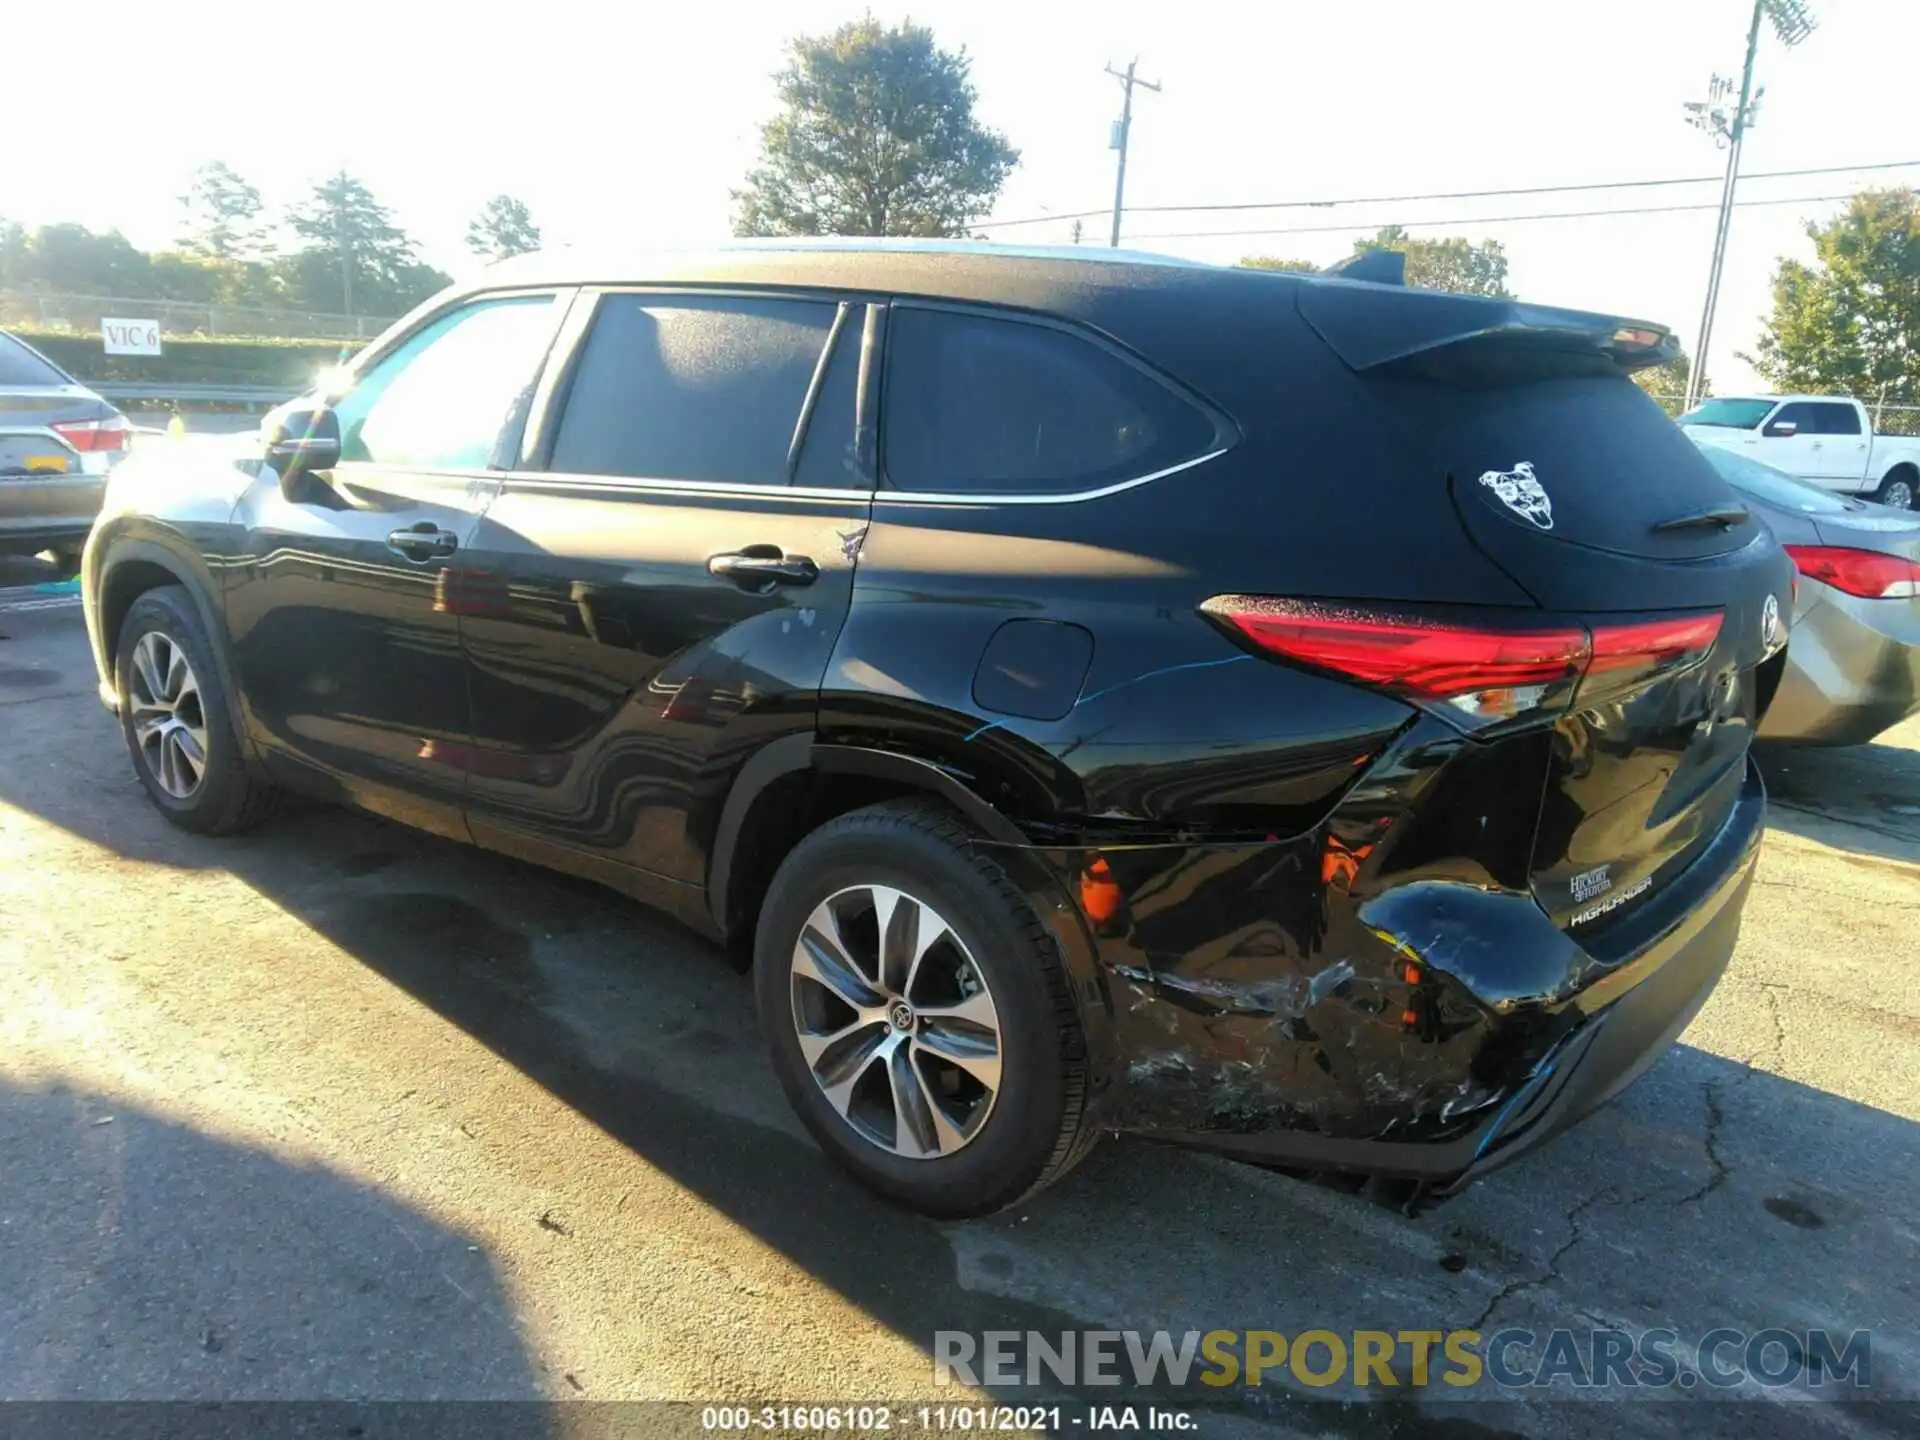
(1837, 419)
(1763, 482)
(20, 366)
(693, 388)
(1805, 418)
(439, 400)
(830, 456)
(977, 404)
(1732, 414)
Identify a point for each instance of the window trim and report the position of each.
(1226, 434)
(534, 462)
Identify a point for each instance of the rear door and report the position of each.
(346, 638)
(656, 591)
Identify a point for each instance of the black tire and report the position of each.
(228, 798)
(1890, 488)
(1036, 1129)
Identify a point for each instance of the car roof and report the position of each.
(798, 259)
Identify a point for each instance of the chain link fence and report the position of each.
(81, 315)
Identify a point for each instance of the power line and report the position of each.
(1443, 195)
(1477, 219)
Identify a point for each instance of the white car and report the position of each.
(1827, 440)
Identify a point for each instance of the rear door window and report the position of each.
(699, 387)
(1837, 419)
(981, 405)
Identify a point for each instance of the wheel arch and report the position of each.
(794, 784)
(128, 568)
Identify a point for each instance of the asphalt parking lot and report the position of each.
(341, 1111)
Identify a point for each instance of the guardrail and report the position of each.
(172, 394)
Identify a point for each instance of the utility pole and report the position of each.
(1792, 21)
(1121, 129)
(346, 262)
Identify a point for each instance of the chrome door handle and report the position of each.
(423, 542)
(756, 569)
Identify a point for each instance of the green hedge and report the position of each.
(189, 360)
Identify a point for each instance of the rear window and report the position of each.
(20, 366)
(1585, 460)
(980, 405)
(695, 388)
(1763, 482)
(1731, 414)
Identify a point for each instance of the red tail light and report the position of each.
(1482, 673)
(1866, 573)
(86, 435)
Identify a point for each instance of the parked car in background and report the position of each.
(987, 643)
(1853, 669)
(1827, 440)
(58, 440)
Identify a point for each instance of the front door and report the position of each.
(658, 592)
(346, 646)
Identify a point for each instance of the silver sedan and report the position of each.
(58, 440)
(1853, 662)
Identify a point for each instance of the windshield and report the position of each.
(1763, 482)
(21, 366)
(1732, 414)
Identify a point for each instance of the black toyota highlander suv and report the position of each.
(1302, 716)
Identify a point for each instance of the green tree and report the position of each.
(1849, 323)
(223, 214)
(13, 253)
(72, 259)
(503, 227)
(1274, 262)
(876, 136)
(1457, 264)
(1668, 382)
(355, 257)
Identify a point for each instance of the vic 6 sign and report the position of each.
(130, 337)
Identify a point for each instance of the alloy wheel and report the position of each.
(1899, 495)
(169, 724)
(895, 1021)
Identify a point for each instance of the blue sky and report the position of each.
(634, 120)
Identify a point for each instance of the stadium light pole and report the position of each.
(1792, 22)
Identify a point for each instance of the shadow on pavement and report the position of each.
(142, 1259)
(1874, 790)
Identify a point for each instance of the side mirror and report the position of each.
(299, 440)
(1782, 429)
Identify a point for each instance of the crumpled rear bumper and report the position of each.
(1431, 1033)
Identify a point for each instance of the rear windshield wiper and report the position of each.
(1725, 516)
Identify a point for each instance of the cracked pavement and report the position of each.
(340, 1110)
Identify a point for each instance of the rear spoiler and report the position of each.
(1465, 337)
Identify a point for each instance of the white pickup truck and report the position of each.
(1827, 440)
